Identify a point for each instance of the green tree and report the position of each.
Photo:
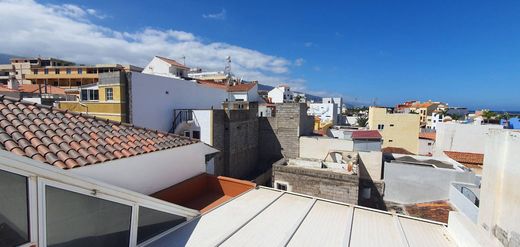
(487, 115)
(362, 120)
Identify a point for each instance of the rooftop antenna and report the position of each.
(183, 60)
(227, 69)
(374, 103)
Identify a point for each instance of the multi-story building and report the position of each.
(398, 130)
(60, 73)
(424, 109)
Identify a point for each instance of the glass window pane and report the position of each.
(84, 95)
(153, 222)
(74, 219)
(14, 214)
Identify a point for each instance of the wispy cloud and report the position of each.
(299, 61)
(216, 16)
(308, 44)
(65, 31)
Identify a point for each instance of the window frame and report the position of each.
(111, 90)
(43, 182)
(287, 187)
(32, 199)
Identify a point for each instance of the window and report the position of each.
(281, 186)
(80, 71)
(69, 71)
(390, 140)
(89, 94)
(196, 134)
(187, 133)
(429, 143)
(14, 210)
(46, 71)
(109, 93)
(380, 126)
(153, 222)
(391, 125)
(56, 71)
(35, 71)
(74, 219)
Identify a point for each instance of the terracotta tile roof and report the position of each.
(172, 62)
(366, 134)
(428, 135)
(68, 140)
(422, 105)
(33, 88)
(243, 87)
(395, 150)
(466, 158)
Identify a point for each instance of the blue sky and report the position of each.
(465, 53)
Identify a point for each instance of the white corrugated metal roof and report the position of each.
(268, 217)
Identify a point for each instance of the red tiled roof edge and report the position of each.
(68, 139)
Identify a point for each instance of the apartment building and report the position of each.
(399, 130)
(61, 73)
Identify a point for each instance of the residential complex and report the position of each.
(60, 73)
(170, 155)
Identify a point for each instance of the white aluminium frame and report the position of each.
(31, 202)
(40, 175)
(42, 208)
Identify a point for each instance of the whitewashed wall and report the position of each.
(153, 99)
(205, 123)
(461, 137)
(499, 194)
(327, 112)
(319, 147)
(149, 173)
(157, 66)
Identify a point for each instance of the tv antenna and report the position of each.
(227, 69)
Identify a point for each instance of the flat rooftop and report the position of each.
(269, 217)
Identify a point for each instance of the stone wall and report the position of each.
(279, 134)
(319, 183)
(235, 134)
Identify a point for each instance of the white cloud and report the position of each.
(64, 31)
(308, 44)
(216, 16)
(299, 61)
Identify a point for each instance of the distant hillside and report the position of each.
(4, 58)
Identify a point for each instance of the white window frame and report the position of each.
(111, 90)
(276, 183)
(32, 197)
(42, 183)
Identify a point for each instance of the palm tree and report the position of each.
(487, 115)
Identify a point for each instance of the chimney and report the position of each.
(12, 83)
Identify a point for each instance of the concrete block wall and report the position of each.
(325, 184)
(235, 134)
(279, 135)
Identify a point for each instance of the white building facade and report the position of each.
(281, 94)
(327, 112)
(166, 67)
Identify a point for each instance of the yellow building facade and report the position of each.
(397, 129)
(105, 99)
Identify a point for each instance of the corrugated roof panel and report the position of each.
(213, 227)
(275, 225)
(327, 224)
(425, 234)
(374, 229)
